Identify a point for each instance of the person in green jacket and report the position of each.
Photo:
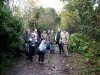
(51, 40)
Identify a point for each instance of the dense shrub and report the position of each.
(78, 43)
(89, 49)
(11, 37)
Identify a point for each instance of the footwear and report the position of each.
(39, 62)
(50, 51)
(42, 62)
(53, 52)
(31, 60)
(59, 53)
(67, 55)
(26, 57)
(28, 61)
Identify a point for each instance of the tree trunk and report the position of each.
(7, 2)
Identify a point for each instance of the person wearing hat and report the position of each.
(65, 39)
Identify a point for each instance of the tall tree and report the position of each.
(85, 11)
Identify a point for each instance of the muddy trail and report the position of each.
(55, 64)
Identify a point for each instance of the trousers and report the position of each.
(65, 50)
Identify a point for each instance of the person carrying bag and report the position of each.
(42, 51)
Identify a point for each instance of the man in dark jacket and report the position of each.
(26, 38)
(58, 39)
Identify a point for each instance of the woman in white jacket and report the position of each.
(31, 47)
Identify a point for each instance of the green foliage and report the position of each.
(78, 43)
(11, 37)
(81, 15)
(2, 1)
(90, 50)
(94, 71)
(45, 19)
(84, 16)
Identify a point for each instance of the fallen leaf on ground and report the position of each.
(67, 65)
(63, 61)
(31, 67)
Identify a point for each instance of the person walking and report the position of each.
(58, 40)
(65, 39)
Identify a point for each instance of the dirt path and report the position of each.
(55, 64)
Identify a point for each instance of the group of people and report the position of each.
(39, 45)
(30, 43)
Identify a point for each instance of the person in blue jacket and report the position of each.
(26, 38)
